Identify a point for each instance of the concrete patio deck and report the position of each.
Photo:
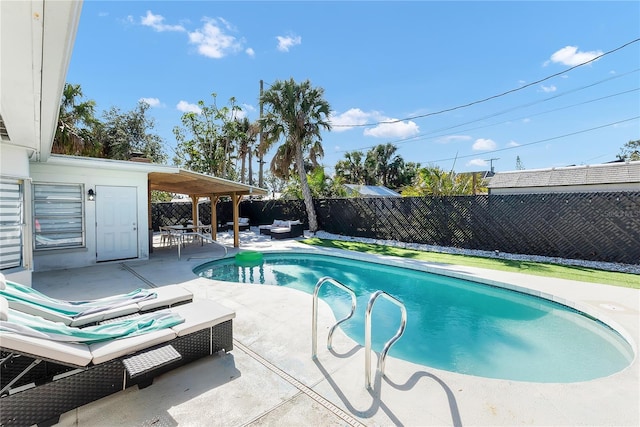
(270, 379)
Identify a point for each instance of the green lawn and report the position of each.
(536, 268)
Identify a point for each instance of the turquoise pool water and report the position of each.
(452, 324)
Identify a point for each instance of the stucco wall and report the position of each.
(90, 177)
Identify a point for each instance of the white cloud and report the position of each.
(248, 107)
(569, 55)
(153, 102)
(213, 41)
(249, 51)
(548, 89)
(526, 120)
(513, 144)
(393, 130)
(453, 138)
(484, 144)
(477, 162)
(286, 43)
(157, 23)
(186, 107)
(354, 116)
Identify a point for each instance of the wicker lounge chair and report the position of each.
(41, 379)
(80, 313)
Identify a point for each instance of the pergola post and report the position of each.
(214, 216)
(194, 209)
(236, 215)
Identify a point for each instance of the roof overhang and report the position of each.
(36, 41)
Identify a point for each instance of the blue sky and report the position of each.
(385, 62)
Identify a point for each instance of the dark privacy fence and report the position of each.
(589, 226)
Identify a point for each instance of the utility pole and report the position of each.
(491, 163)
(519, 165)
(260, 144)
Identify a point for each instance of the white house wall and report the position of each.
(14, 161)
(90, 177)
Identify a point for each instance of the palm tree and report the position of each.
(352, 168)
(247, 135)
(74, 119)
(384, 165)
(297, 112)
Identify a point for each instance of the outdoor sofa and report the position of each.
(243, 224)
(283, 229)
(42, 378)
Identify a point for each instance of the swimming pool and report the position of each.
(452, 324)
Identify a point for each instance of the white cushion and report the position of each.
(243, 220)
(71, 353)
(4, 308)
(3, 282)
(112, 349)
(280, 230)
(199, 315)
(166, 297)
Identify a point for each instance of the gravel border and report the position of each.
(608, 266)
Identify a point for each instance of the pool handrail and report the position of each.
(388, 344)
(314, 321)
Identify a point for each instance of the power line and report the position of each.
(493, 96)
(539, 141)
(434, 134)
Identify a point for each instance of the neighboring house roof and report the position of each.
(607, 173)
(371, 191)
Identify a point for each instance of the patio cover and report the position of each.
(198, 185)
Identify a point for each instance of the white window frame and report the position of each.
(58, 216)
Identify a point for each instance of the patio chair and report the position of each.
(81, 313)
(40, 378)
(168, 237)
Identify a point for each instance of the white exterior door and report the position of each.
(116, 223)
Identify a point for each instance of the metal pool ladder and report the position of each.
(367, 335)
(314, 322)
(372, 300)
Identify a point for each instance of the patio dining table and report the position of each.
(189, 230)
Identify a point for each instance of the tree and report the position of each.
(630, 151)
(206, 139)
(76, 121)
(352, 169)
(124, 134)
(433, 181)
(298, 113)
(247, 134)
